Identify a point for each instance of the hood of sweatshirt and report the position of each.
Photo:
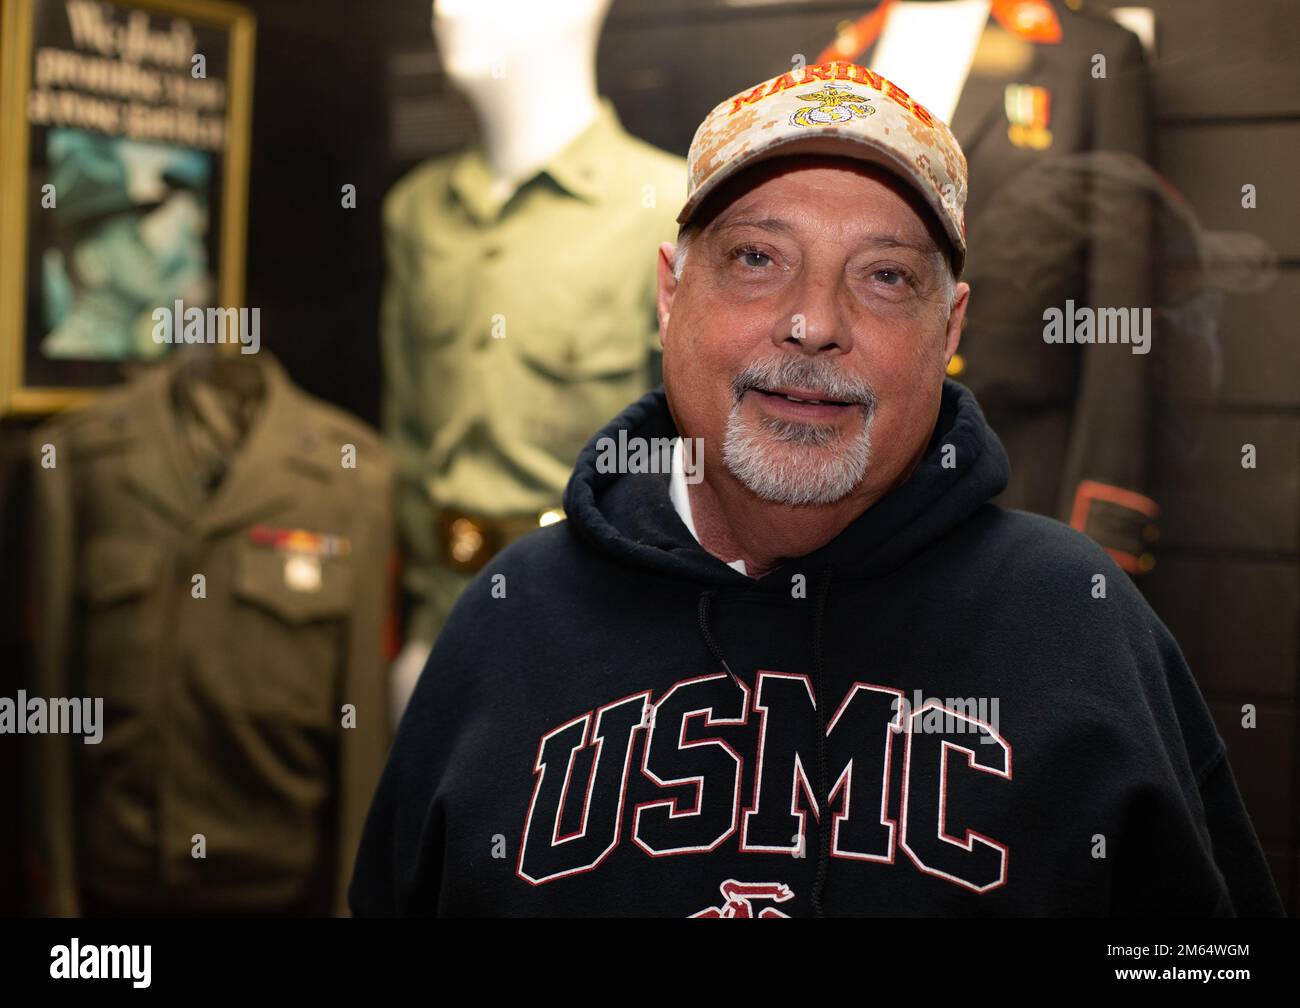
(632, 519)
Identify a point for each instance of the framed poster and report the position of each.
(123, 184)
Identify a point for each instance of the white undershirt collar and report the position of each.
(680, 496)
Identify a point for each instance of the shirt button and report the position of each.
(491, 251)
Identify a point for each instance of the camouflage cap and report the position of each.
(833, 108)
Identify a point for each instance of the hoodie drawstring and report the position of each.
(705, 599)
(819, 675)
(823, 782)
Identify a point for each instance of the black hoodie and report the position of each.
(950, 709)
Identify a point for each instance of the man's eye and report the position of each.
(890, 277)
(753, 257)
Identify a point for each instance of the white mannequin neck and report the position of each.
(531, 79)
(525, 121)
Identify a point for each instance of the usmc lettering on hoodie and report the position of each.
(686, 743)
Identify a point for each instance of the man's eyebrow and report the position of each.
(892, 241)
(777, 225)
(774, 224)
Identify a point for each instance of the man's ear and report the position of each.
(956, 321)
(667, 286)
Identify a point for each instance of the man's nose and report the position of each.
(813, 322)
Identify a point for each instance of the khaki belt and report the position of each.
(468, 541)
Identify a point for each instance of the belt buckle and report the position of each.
(466, 542)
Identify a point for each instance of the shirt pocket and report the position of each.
(560, 383)
(118, 583)
(289, 636)
(579, 339)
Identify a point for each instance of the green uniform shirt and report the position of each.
(221, 713)
(512, 331)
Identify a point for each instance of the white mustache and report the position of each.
(820, 376)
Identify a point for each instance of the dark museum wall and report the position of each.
(1228, 583)
(350, 93)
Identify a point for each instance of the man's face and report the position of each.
(820, 281)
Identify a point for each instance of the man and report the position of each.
(829, 677)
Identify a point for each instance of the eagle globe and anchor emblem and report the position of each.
(837, 105)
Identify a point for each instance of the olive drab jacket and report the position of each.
(219, 577)
(513, 327)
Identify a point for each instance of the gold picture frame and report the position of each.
(138, 159)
